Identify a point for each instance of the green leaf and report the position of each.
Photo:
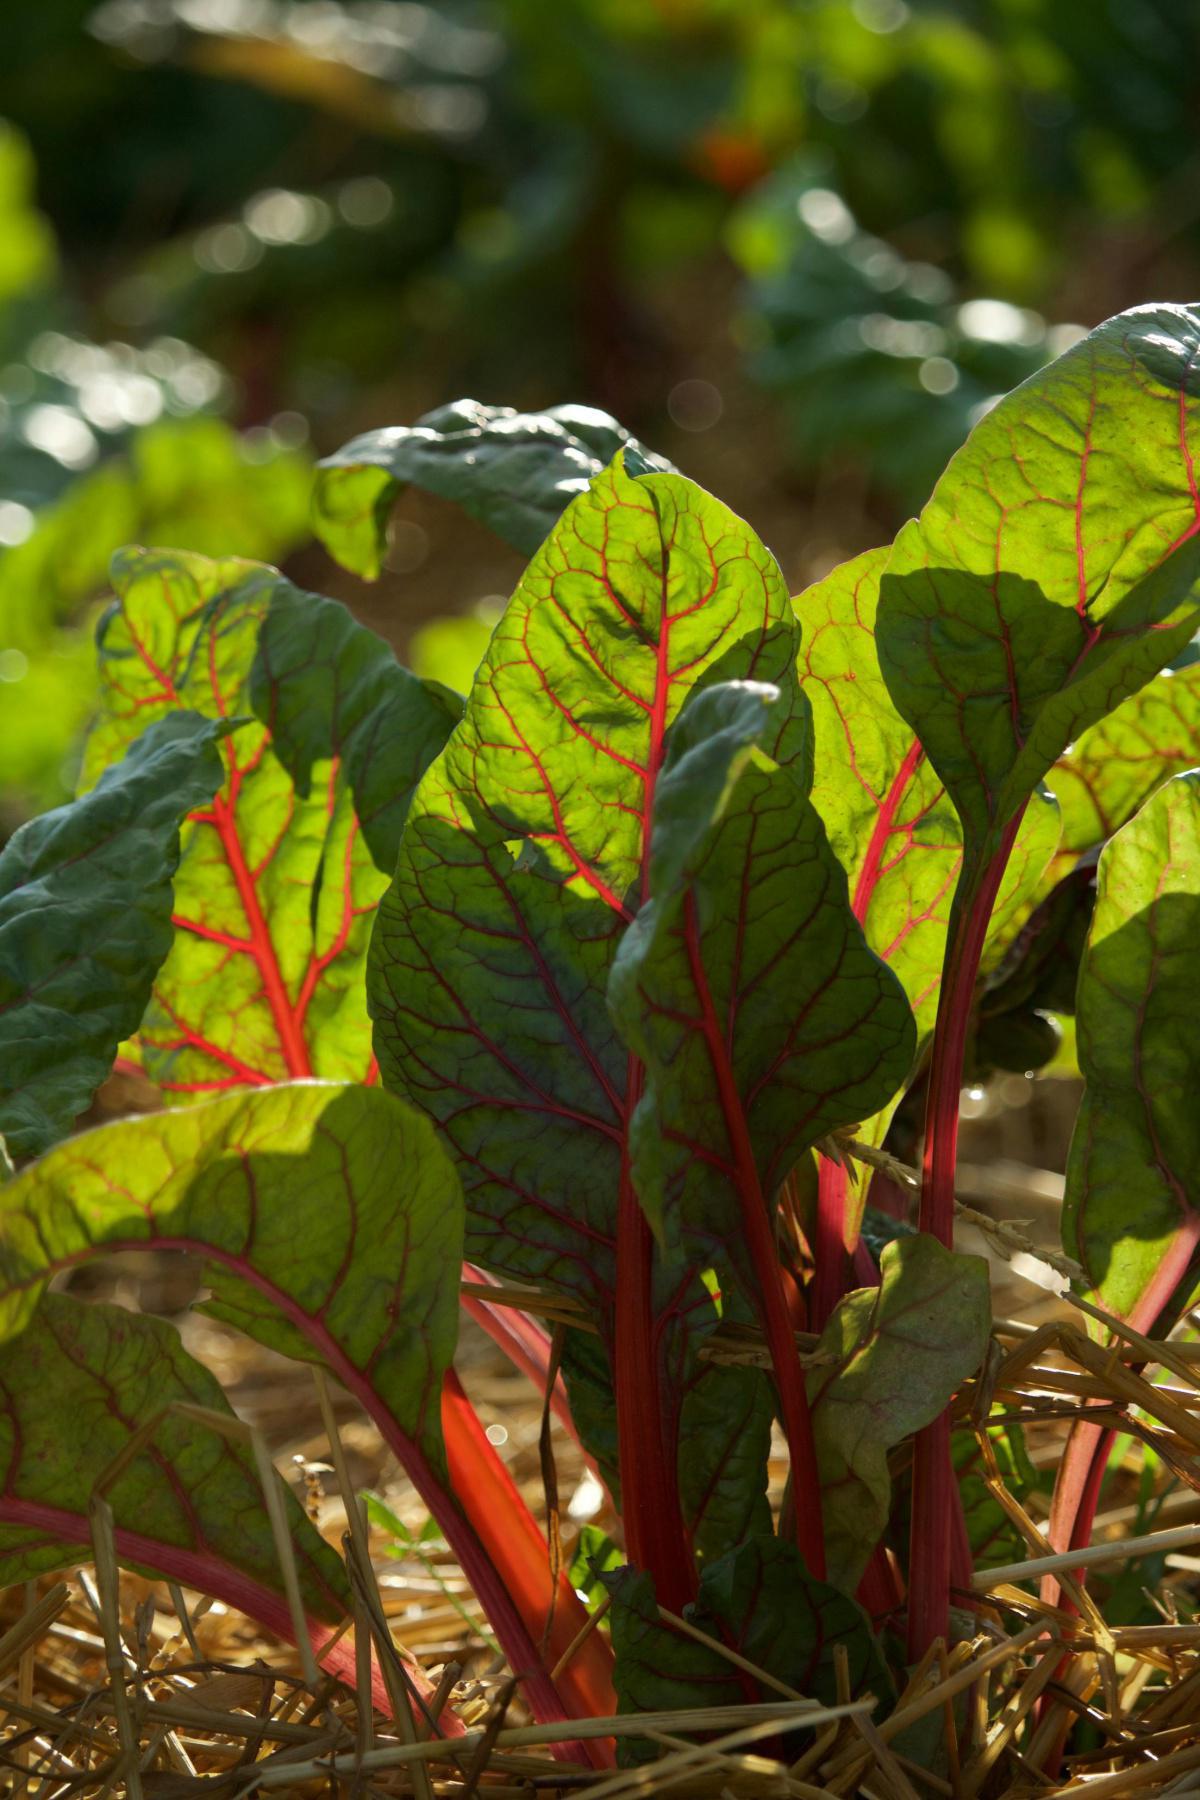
(78, 1383)
(899, 1352)
(1056, 567)
(760, 1601)
(276, 886)
(1132, 1209)
(329, 1217)
(1118, 763)
(745, 984)
(725, 1430)
(328, 687)
(514, 472)
(889, 821)
(595, 1556)
(523, 858)
(85, 922)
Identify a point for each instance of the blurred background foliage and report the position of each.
(796, 245)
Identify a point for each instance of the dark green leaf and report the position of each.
(758, 1600)
(524, 855)
(276, 888)
(85, 923)
(515, 472)
(899, 1352)
(327, 687)
(745, 984)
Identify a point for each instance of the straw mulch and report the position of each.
(113, 1685)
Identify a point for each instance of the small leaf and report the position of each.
(329, 1217)
(85, 923)
(900, 1351)
(1132, 1209)
(761, 1603)
(1056, 567)
(78, 1383)
(514, 472)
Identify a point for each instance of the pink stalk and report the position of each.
(930, 1569)
(523, 1340)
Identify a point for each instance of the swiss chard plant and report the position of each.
(590, 997)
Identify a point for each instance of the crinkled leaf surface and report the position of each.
(523, 860)
(328, 687)
(74, 1387)
(1056, 566)
(900, 1351)
(758, 1599)
(745, 983)
(1132, 1212)
(513, 471)
(276, 886)
(1118, 763)
(85, 922)
(329, 1216)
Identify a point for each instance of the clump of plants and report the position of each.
(591, 997)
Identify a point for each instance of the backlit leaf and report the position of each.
(276, 887)
(77, 1384)
(514, 472)
(524, 857)
(1056, 567)
(328, 1215)
(85, 922)
(1132, 1211)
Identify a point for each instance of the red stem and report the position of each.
(829, 1244)
(523, 1340)
(929, 1570)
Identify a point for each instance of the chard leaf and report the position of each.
(329, 1217)
(886, 813)
(1119, 762)
(745, 984)
(1056, 567)
(276, 886)
(85, 923)
(1132, 1210)
(76, 1385)
(900, 1350)
(328, 687)
(331, 1223)
(761, 1602)
(515, 472)
(525, 856)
